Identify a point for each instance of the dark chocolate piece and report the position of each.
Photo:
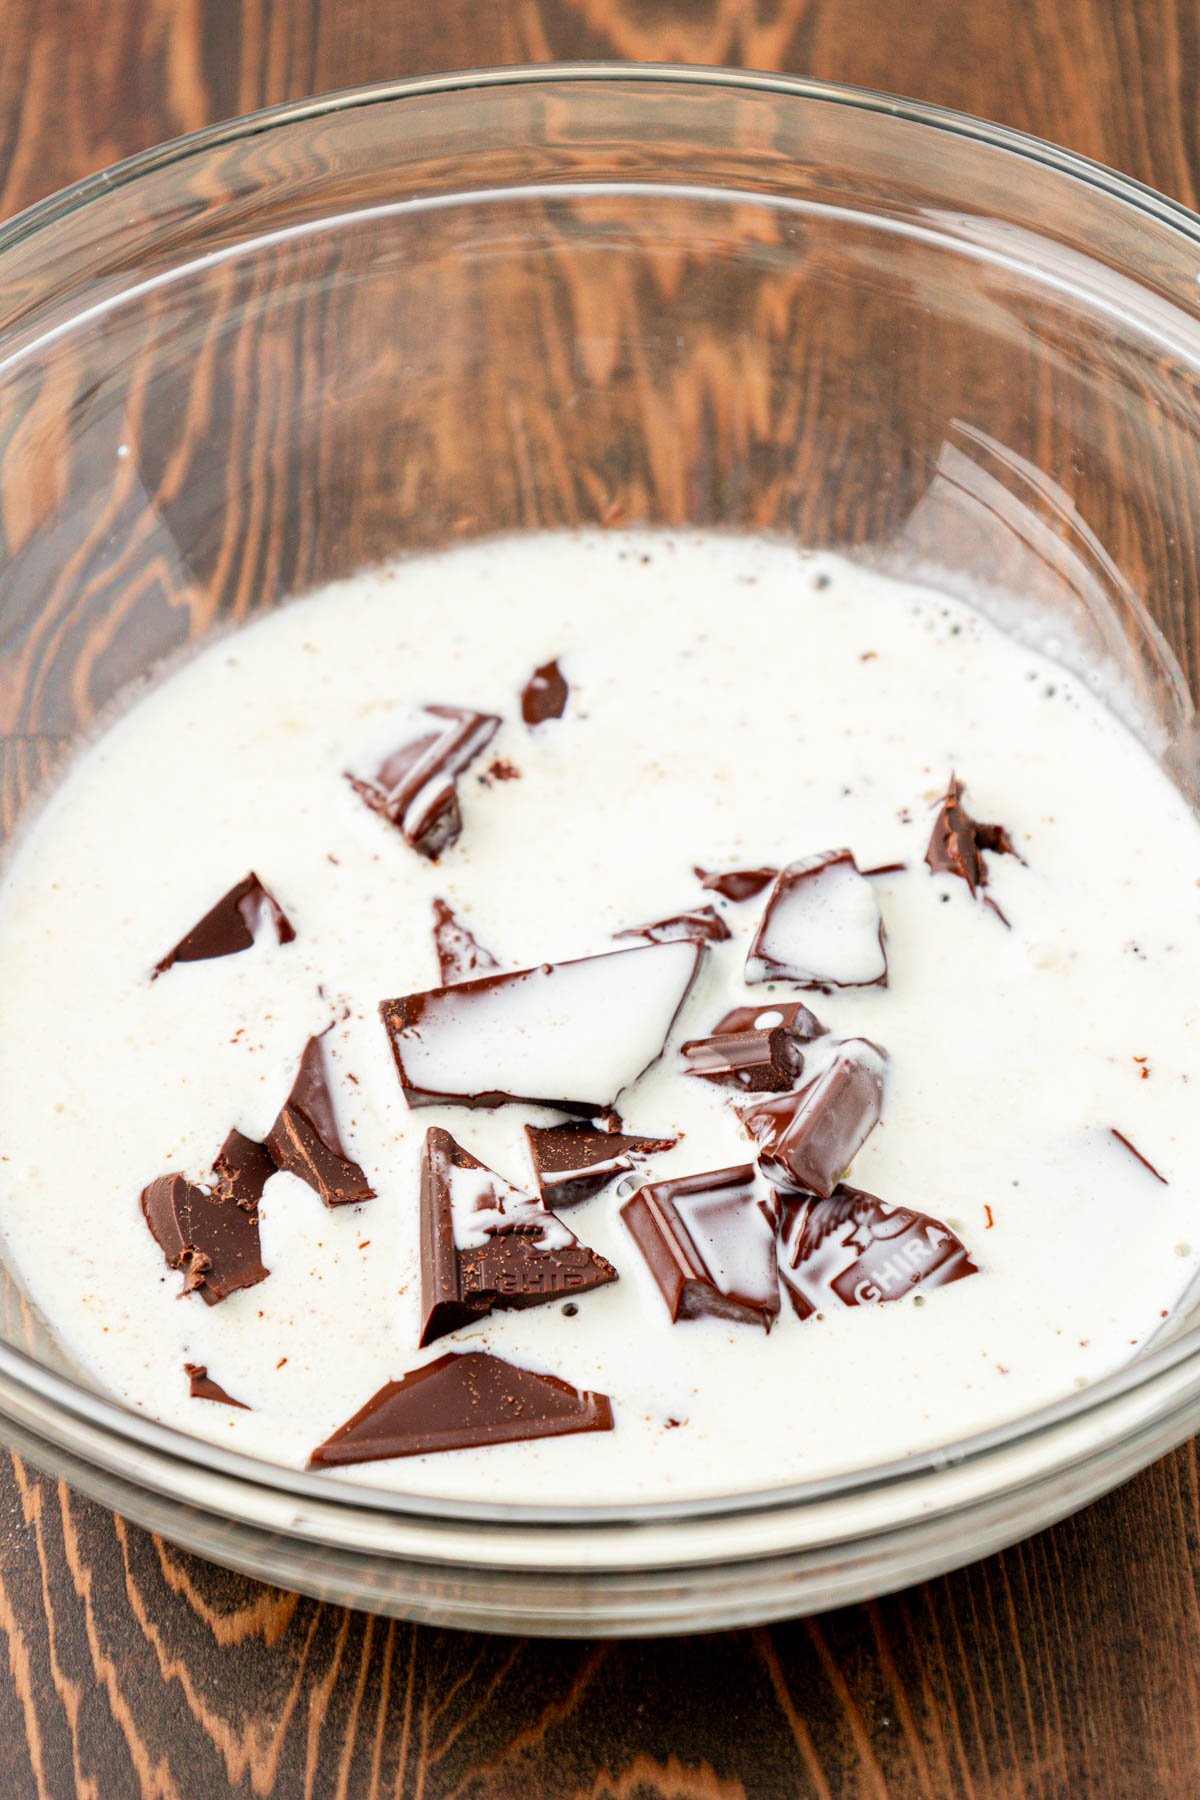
(736, 884)
(957, 840)
(892, 868)
(807, 1140)
(484, 1244)
(235, 923)
(305, 1139)
(242, 1170)
(414, 788)
(856, 1250)
(462, 1403)
(569, 1034)
(214, 1242)
(757, 1062)
(709, 1242)
(460, 955)
(201, 1388)
(703, 925)
(821, 927)
(573, 1162)
(1134, 1151)
(793, 1015)
(544, 695)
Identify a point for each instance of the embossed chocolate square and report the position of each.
(857, 1250)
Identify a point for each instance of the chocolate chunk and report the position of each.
(758, 1062)
(484, 1244)
(242, 916)
(957, 841)
(569, 1034)
(414, 788)
(855, 1250)
(213, 1241)
(793, 1015)
(807, 1140)
(1134, 1151)
(821, 927)
(460, 956)
(544, 695)
(709, 1242)
(305, 1139)
(703, 925)
(242, 1170)
(201, 1388)
(736, 884)
(462, 1403)
(573, 1162)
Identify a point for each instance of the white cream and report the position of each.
(727, 709)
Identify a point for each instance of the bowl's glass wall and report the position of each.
(276, 357)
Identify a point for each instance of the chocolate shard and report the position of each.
(460, 955)
(821, 928)
(1134, 1151)
(573, 1162)
(793, 1015)
(758, 1062)
(544, 695)
(807, 1140)
(201, 1388)
(736, 884)
(957, 841)
(237, 922)
(462, 1403)
(242, 1170)
(709, 1242)
(703, 925)
(214, 1242)
(856, 1250)
(414, 788)
(569, 1034)
(484, 1244)
(305, 1139)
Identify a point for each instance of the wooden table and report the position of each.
(1069, 1666)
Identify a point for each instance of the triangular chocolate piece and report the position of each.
(856, 1250)
(462, 1403)
(736, 884)
(240, 917)
(702, 925)
(414, 788)
(201, 1388)
(460, 954)
(484, 1244)
(957, 841)
(573, 1162)
(214, 1242)
(305, 1139)
(242, 1170)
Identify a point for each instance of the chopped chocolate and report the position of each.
(793, 1015)
(569, 1034)
(484, 1244)
(238, 920)
(709, 1242)
(544, 695)
(758, 1062)
(1134, 1151)
(821, 927)
(893, 868)
(214, 1242)
(573, 1162)
(855, 1250)
(957, 841)
(460, 955)
(807, 1140)
(736, 884)
(703, 925)
(462, 1403)
(201, 1388)
(305, 1139)
(414, 788)
(242, 1170)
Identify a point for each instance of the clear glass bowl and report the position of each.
(266, 355)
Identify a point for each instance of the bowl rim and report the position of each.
(95, 1412)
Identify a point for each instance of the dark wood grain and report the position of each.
(1069, 1666)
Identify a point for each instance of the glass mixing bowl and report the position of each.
(262, 357)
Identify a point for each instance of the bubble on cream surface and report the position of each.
(727, 711)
